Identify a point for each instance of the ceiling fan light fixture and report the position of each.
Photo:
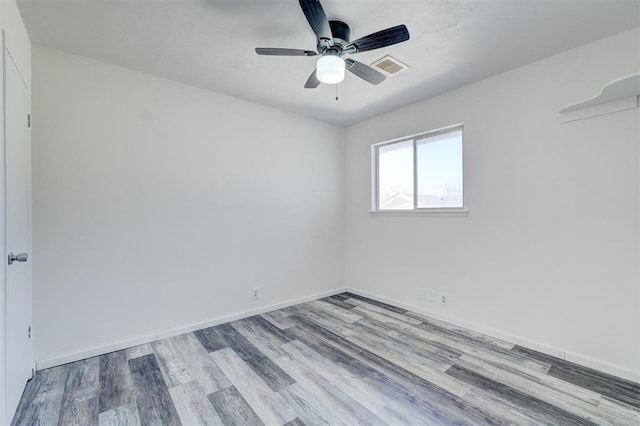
(330, 69)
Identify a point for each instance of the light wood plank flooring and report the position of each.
(342, 360)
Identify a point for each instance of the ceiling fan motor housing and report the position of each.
(341, 35)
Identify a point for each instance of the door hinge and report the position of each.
(29, 332)
(29, 120)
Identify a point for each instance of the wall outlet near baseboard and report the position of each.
(444, 299)
(255, 293)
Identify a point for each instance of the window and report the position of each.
(422, 172)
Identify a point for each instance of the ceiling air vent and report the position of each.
(389, 66)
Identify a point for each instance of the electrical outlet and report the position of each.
(444, 299)
(255, 293)
(432, 296)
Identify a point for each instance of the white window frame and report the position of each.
(375, 202)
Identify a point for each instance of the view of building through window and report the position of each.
(435, 173)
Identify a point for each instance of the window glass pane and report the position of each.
(440, 170)
(395, 176)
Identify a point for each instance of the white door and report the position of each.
(18, 234)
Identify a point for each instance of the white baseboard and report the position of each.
(602, 366)
(64, 359)
(246, 314)
(77, 356)
(540, 347)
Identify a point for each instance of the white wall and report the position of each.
(158, 205)
(548, 253)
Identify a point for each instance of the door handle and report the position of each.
(20, 257)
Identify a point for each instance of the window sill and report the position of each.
(459, 212)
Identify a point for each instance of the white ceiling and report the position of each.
(209, 43)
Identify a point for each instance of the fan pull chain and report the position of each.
(336, 92)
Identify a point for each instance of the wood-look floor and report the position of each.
(342, 360)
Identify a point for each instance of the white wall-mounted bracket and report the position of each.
(617, 95)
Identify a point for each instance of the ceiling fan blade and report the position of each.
(380, 39)
(274, 51)
(317, 19)
(312, 81)
(365, 72)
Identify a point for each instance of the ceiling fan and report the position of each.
(333, 43)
